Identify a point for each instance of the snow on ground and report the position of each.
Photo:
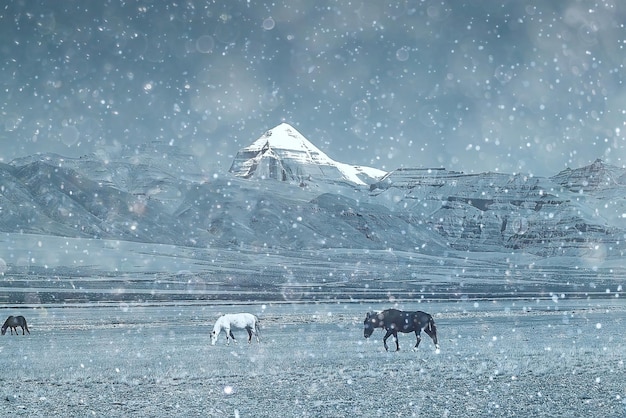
(497, 358)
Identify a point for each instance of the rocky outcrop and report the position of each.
(501, 212)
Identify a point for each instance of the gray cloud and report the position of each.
(472, 86)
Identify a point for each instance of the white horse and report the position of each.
(245, 321)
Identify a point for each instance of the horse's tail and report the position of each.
(257, 327)
(431, 324)
(433, 330)
(25, 325)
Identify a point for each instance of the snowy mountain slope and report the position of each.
(18, 213)
(60, 201)
(242, 214)
(226, 212)
(154, 169)
(160, 197)
(153, 228)
(284, 154)
(604, 184)
(592, 178)
(500, 212)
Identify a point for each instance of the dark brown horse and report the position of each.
(13, 322)
(394, 321)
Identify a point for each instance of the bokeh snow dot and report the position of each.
(269, 23)
(292, 292)
(520, 225)
(402, 54)
(205, 44)
(360, 110)
(69, 135)
(503, 74)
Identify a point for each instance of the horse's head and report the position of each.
(214, 335)
(4, 330)
(371, 322)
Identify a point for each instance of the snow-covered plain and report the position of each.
(122, 329)
(541, 357)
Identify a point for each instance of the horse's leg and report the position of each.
(256, 333)
(387, 334)
(418, 337)
(249, 329)
(395, 335)
(230, 332)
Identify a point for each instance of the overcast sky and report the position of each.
(510, 86)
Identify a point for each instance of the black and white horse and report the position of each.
(13, 322)
(394, 321)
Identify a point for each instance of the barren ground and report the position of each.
(497, 358)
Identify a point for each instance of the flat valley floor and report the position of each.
(540, 358)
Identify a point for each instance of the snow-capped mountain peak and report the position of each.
(284, 154)
(286, 138)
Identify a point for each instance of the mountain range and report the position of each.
(283, 197)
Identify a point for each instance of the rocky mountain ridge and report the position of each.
(314, 203)
(499, 212)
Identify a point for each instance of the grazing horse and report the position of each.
(13, 322)
(394, 321)
(245, 321)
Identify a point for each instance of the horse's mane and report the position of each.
(219, 322)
